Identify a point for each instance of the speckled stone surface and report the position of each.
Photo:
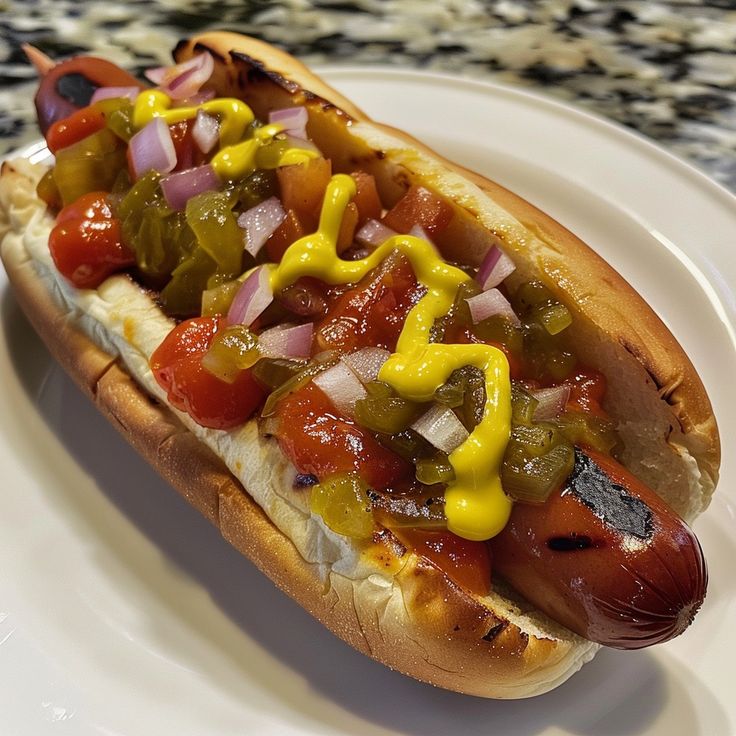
(665, 69)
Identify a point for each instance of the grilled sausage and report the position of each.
(606, 557)
(69, 86)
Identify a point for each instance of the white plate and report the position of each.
(123, 612)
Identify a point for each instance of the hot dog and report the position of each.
(394, 583)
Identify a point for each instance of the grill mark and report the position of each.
(76, 88)
(609, 501)
(574, 542)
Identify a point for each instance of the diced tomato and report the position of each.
(91, 206)
(366, 197)
(289, 231)
(78, 125)
(420, 207)
(373, 312)
(466, 563)
(177, 367)
(208, 400)
(319, 441)
(188, 154)
(86, 243)
(347, 228)
(303, 188)
(587, 391)
(189, 338)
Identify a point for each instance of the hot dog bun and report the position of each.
(395, 607)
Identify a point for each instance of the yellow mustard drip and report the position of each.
(475, 504)
(236, 159)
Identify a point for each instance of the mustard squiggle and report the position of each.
(475, 504)
(236, 157)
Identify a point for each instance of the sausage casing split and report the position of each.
(606, 557)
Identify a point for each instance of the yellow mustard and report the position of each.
(475, 504)
(236, 158)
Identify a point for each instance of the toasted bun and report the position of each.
(383, 600)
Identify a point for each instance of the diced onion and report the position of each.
(367, 362)
(489, 304)
(302, 143)
(205, 131)
(341, 387)
(294, 120)
(260, 223)
(552, 402)
(151, 149)
(204, 95)
(185, 79)
(287, 342)
(441, 428)
(109, 93)
(252, 298)
(179, 188)
(496, 266)
(374, 233)
(419, 232)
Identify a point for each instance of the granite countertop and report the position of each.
(666, 68)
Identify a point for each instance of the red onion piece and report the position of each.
(205, 131)
(294, 120)
(260, 223)
(183, 80)
(552, 402)
(374, 233)
(109, 93)
(287, 342)
(441, 428)
(151, 148)
(419, 232)
(204, 95)
(157, 74)
(367, 362)
(496, 266)
(341, 387)
(302, 143)
(252, 298)
(489, 304)
(179, 188)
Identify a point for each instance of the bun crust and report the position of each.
(389, 603)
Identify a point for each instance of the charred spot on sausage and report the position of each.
(76, 88)
(571, 543)
(609, 501)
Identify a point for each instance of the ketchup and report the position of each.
(373, 313)
(210, 401)
(319, 441)
(86, 243)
